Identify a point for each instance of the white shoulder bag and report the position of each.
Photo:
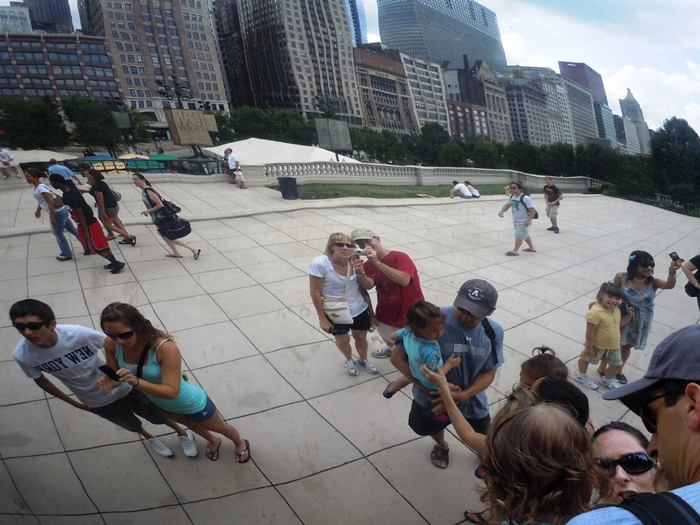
(336, 308)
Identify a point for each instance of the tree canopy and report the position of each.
(31, 124)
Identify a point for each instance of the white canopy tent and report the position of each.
(254, 152)
(40, 155)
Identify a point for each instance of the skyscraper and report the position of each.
(586, 76)
(583, 123)
(52, 16)
(528, 111)
(426, 86)
(158, 49)
(299, 55)
(442, 30)
(15, 19)
(228, 28)
(357, 20)
(631, 109)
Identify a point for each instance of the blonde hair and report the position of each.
(538, 462)
(334, 238)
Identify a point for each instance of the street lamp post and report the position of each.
(174, 90)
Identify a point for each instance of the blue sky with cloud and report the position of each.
(650, 46)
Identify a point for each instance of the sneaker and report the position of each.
(107, 266)
(556, 230)
(610, 384)
(383, 353)
(551, 229)
(87, 252)
(117, 267)
(63, 258)
(369, 365)
(350, 368)
(189, 447)
(585, 381)
(160, 448)
(621, 378)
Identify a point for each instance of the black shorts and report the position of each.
(423, 423)
(123, 411)
(359, 323)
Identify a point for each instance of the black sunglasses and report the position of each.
(123, 335)
(651, 264)
(648, 416)
(634, 463)
(21, 327)
(343, 245)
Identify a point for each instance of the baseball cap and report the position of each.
(676, 357)
(361, 233)
(477, 297)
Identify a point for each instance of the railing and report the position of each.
(386, 174)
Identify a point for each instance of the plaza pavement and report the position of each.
(326, 448)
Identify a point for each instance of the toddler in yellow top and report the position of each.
(603, 322)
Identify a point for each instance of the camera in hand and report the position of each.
(359, 252)
(674, 256)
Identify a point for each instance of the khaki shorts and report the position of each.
(611, 357)
(521, 231)
(552, 211)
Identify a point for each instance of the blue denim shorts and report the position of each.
(204, 414)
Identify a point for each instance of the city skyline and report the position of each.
(657, 50)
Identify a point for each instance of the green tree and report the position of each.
(432, 138)
(675, 153)
(524, 157)
(558, 160)
(684, 192)
(31, 124)
(139, 127)
(453, 154)
(226, 131)
(93, 123)
(485, 154)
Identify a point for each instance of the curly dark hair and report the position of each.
(538, 463)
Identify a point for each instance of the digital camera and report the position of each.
(359, 252)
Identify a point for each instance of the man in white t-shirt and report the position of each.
(71, 353)
(460, 190)
(8, 166)
(233, 168)
(523, 213)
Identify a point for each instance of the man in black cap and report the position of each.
(479, 344)
(667, 399)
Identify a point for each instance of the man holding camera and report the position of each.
(396, 279)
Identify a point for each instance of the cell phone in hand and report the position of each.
(674, 256)
(109, 372)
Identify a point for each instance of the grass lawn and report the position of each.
(330, 191)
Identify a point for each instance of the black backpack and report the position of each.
(491, 334)
(661, 509)
(522, 201)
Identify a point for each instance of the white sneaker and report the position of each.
(160, 448)
(189, 447)
(585, 381)
(369, 365)
(350, 368)
(610, 384)
(383, 353)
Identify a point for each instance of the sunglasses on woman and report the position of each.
(651, 264)
(123, 335)
(634, 463)
(343, 245)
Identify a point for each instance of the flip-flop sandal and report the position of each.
(531, 250)
(440, 457)
(212, 454)
(173, 256)
(196, 255)
(476, 517)
(512, 253)
(246, 450)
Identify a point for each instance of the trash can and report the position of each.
(288, 187)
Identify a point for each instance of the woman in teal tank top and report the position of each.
(149, 360)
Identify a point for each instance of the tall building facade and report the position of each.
(228, 29)
(627, 137)
(583, 123)
(384, 92)
(498, 114)
(56, 66)
(588, 77)
(52, 16)
(299, 55)
(466, 104)
(606, 124)
(442, 30)
(631, 109)
(357, 20)
(528, 111)
(426, 87)
(160, 48)
(15, 19)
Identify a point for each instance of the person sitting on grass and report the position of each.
(603, 323)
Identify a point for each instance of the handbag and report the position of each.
(176, 229)
(169, 208)
(116, 194)
(336, 308)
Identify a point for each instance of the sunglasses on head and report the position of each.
(634, 463)
(123, 335)
(343, 245)
(21, 327)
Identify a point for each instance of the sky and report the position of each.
(649, 46)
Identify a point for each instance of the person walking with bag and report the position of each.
(106, 200)
(339, 302)
(161, 217)
(523, 213)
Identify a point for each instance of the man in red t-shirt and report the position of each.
(396, 279)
